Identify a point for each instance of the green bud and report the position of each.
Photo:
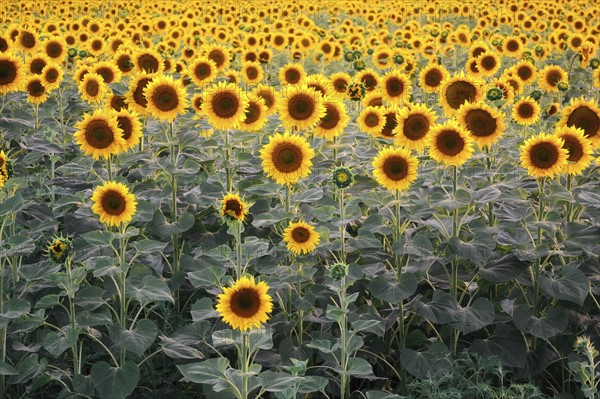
(338, 271)
(342, 177)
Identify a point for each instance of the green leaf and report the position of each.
(503, 269)
(146, 246)
(137, 340)
(29, 367)
(478, 250)
(322, 345)
(17, 246)
(203, 309)
(486, 195)
(179, 348)
(56, 343)
(153, 289)
(475, 317)
(382, 395)
(361, 325)
(102, 238)
(310, 195)
(384, 287)
(12, 309)
(312, 383)
(209, 277)
(161, 227)
(277, 382)
(572, 285)
(7, 369)
(210, 371)
(554, 323)
(358, 366)
(115, 382)
(48, 301)
(12, 205)
(425, 364)
(507, 343)
(84, 385)
(89, 298)
(442, 308)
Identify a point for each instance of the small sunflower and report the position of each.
(148, 61)
(113, 203)
(92, 88)
(579, 149)
(246, 304)
(268, 94)
(488, 63)
(371, 120)
(202, 70)
(252, 72)
(525, 71)
(485, 123)
(543, 155)
(36, 90)
(11, 73)
(52, 76)
(287, 158)
(166, 97)
(36, 64)
(450, 144)
(220, 55)
(225, 106)
(395, 168)
(99, 135)
(301, 238)
(431, 77)
(55, 48)
(291, 74)
(109, 72)
(458, 90)
(129, 123)
(58, 249)
(390, 114)
(234, 208)
(300, 107)
(342, 177)
(526, 111)
(395, 87)
(335, 120)
(340, 82)
(4, 168)
(414, 123)
(256, 115)
(550, 76)
(584, 115)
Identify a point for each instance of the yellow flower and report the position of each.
(114, 203)
(335, 120)
(450, 144)
(300, 107)
(256, 115)
(166, 98)
(252, 72)
(526, 111)
(291, 74)
(202, 70)
(431, 77)
(579, 149)
(225, 106)
(371, 120)
(485, 123)
(233, 207)
(36, 91)
(414, 123)
(92, 88)
(129, 123)
(287, 158)
(99, 135)
(584, 115)
(246, 304)
(395, 168)
(550, 76)
(11, 73)
(458, 90)
(301, 238)
(543, 155)
(395, 87)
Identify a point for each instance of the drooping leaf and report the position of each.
(384, 287)
(136, 340)
(571, 285)
(115, 382)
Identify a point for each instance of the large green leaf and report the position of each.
(427, 363)
(272, 381)
(210, 371)
(12, 309)
(442, 308)
(475, 317)
(478, 250)
(115, 382)
(546, 327)
(385, 287)
(507, 343)
(203, 309)
(571, 285)
(502, 269)
(152, 289)
(164, 229)
(56, 343)
(137, 340)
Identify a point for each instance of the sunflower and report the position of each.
(291, 74)
(202, 70)
(371, 120)
(300, 107)
(27, 41)
(508, 93)
(4, 170)
(287, 158)
(108, 70)
(36, 91)
(36, 64)
(233, 208)
(340, 82)
(395, 168)
(135, 98)
(512, 47)
(395, 87)
(584, 115)
(485, 123)
(458, 90)
(148, 61)
(252, 72)
(225, 106)
(220, 55)
(390, 115)
(413, 127)
(267, 93)
(246, 304)
(525, 71)
(11, 73)
(114, 203)
(52, 76)
(301, 238)
(450, 144)
(472, 69)
(543, 155)
(372, 99)
(579, 149)
(550, 76)
(526, 111)
(99, 134)
(124, 61)
(369, 78)
(58, 249)
(166, 97)
(129, 123)
(256, 115)
(488, 63)
(335, 120)
(431, 77)
(596, 73)
(92, 88)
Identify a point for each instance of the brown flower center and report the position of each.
(51, 75)
(92, 88)
(267, 96)
(251, 73)
(287, 157)
(573, 146)
(553, 77)
(481, 123)
(459, 92)
(585, 118)
(544, 155)
(433, 78)
(301, 106)
(415, 127)
(292, 75)
(450, 142)
(8, 72)
(252, 113)
(525, 72)
(225, 104)
(300, 234)
(124, 63)
(118, 103)
(218, 57)
(390, 124)
(107, 74)
(340, 85)
(98, 134)
(525, 110)
(488, 62)
(233, 205)
(125, 124)
(165, 98)
(35, 88)
(148, 63)
(27, 40)
(331, 118)
(394, 87)
(371, 119)
(113, 203)
(202, 71)
(138, 95)
(395, 167)
(369, 81)
(37, 65)
(245, 302)
(512, 45)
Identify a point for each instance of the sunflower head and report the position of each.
(58, 248)
(338, 271)
(11, 73)
(584, 115)
(287, 158)
(526, 111)
(356, 91)
(395, 168)
(342, 177)
(233, 208)
(543, 155)
(450, 144)
(485, 124)
(99, 134)
(301, 238)
(458, 90)
(245, 305)
(579, 149)
(166, 97)
(300, 107)
(114, 203)
(225, 106)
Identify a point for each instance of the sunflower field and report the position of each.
(366, 199)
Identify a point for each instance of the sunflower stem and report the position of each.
(37, 117)
(538, 263)
(175, 237)
(228, 154)
(569, 210)
(335, 150)
(397, 259)
(245, 363)
(342, 225)
(71, 297)
(454, 275)
(62, 116)
(344, 378)
(109, 167)
(238, 250)
(123, 279)
(288, 190)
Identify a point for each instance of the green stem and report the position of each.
(335, 150)
(454, 274)
(37, 117)
(344, 380)
(569, 212)
(122, 281)
(245, 360)
(228, 154)
(238, 250)
(109, 167)
(342, 226)
(71, 297)
(174, 213)
(398, 263)
(538, 263)
(288, 190)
